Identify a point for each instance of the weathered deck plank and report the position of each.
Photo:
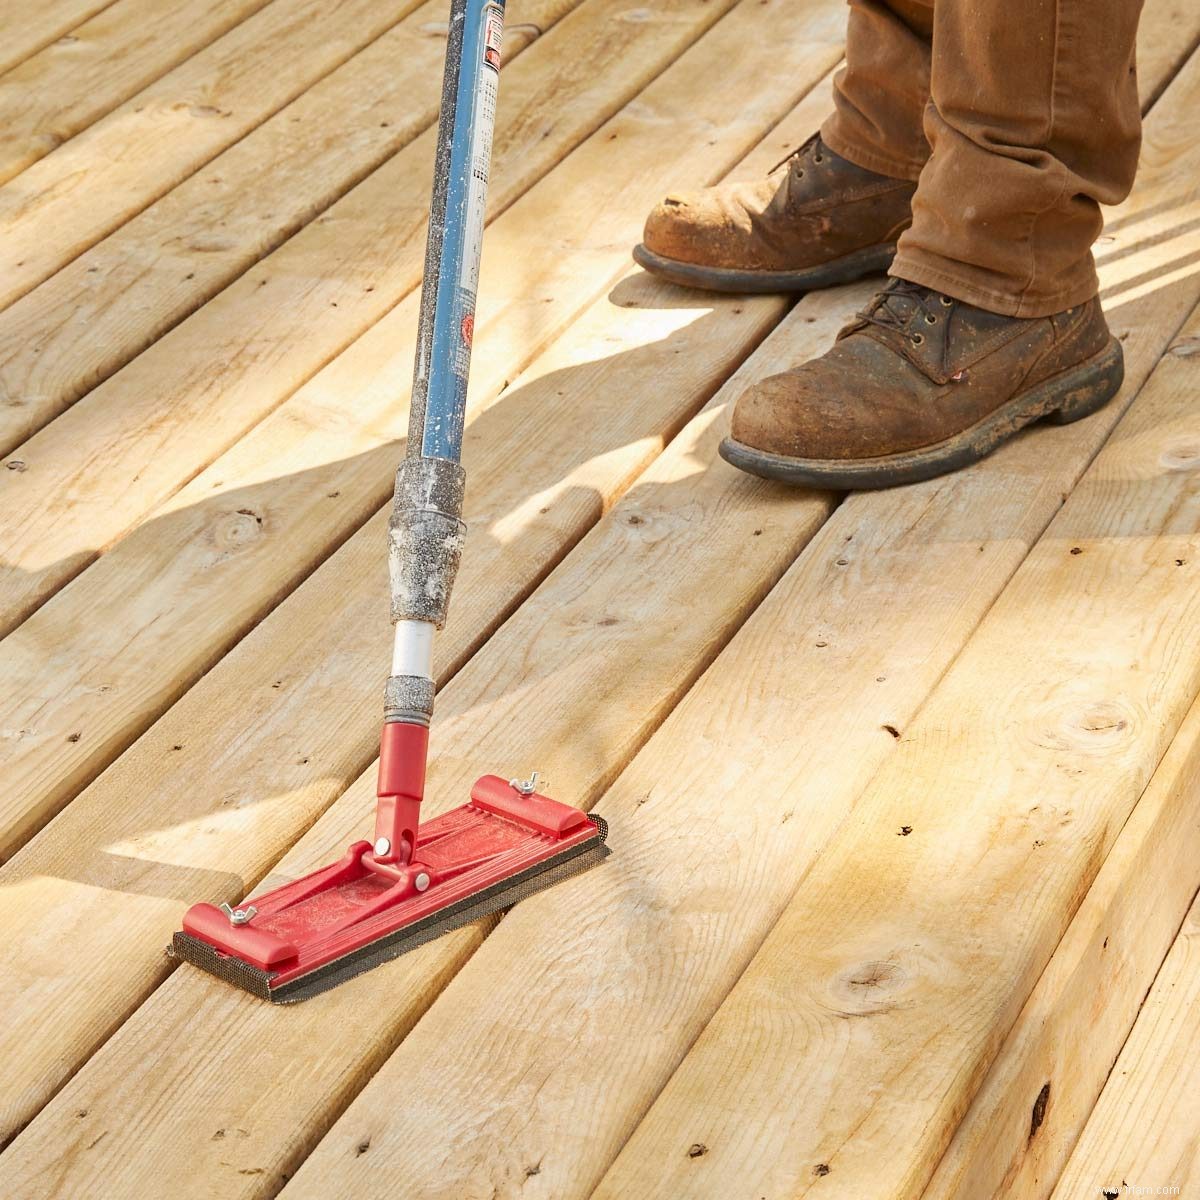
(583, 663)
(252, 752)
(76, 329)
(170, 412)
(1145, 1130)
(79, 78)
(336, 435)
(111, 171)
(890, 610)
(877, 1003)
(231, 535)
(25, 29)
(1168, 35)
(101, 310)
(1027, 1117)
(185, 1096)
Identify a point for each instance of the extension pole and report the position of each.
(426, 532)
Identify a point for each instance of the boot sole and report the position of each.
(871, 261)
(1070, 396)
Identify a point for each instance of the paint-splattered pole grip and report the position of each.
(426, 532)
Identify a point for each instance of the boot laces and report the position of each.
(900, 302)
(808, 150)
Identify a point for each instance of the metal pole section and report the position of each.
(455, 229)
(426, 532)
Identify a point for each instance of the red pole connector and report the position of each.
(403, 749)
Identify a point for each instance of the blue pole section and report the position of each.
(426, 532)
(452, 323)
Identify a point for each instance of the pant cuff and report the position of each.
(977, 287)
(868, 158)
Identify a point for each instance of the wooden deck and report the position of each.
(904, 788)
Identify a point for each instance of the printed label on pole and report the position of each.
(481, 151)
(493, 35)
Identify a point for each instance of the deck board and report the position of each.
(111, 171)
(311, 724)
(591, 680)
(1024, 764)
(77, 79)
(114, 300)
(538, 996)
(1145, 1130)
(1167, 37)
(25, 29)
(336, 407)
(329, 434)
(1074, 1024)
(218, 373)
(203, 386)
(490, 1097)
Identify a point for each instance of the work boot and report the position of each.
(814, 221)
(920, 384)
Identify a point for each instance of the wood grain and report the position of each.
(114, 300)
(573, 683)
(25, 29)
(79, 78)
(992, 1152)
(111, 171)
(1145, 1130)
(1028, 1115)
(549, 1042)
(170, 412)
(874, 1007)
(1168, 34)
(549, 1046)
(226, 549)
(287, 717)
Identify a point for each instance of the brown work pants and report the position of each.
(1019, 118)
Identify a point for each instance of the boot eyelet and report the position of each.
(931, 320)
(946, 301)
(918, 339)
(818, 158)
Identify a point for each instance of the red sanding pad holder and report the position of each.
(308, 936)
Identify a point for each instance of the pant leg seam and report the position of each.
(1047, 138)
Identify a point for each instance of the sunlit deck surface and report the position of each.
(904, 787)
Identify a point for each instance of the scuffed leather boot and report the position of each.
(920, 384)
(814, 221)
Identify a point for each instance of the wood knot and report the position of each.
(869, 987)
(1073, 726)
(232, 530)
(1185, 456)
(1102, 724)
(210, 245)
